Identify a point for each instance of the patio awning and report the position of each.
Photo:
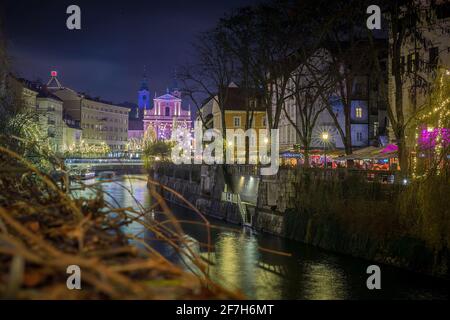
(291, 154)
(371, 153)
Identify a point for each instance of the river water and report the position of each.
(307, 273)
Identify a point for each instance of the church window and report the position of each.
(167, 111)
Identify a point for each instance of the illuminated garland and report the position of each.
(441, 112)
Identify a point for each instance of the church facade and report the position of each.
(158, 118)
(166, 116)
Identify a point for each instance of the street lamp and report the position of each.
(325, 137)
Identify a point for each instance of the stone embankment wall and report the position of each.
(200, 185)
(333, 215)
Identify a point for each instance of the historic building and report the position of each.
(166, 115)
(368, 116)
(240, 112)
(157, 117)
(420, 64)
(48, 111)
(136, 115)
(102, 122)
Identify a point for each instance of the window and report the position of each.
(237, 121)
(402, 65)
(359, 136)
(433, 57)
(263, 121)
(167, 111)
(358, 112)
(412, 62)
(375, 128)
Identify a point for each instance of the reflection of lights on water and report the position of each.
(324, 282)
(228, 260)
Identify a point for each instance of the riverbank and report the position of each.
(69, 241)
(348, 216)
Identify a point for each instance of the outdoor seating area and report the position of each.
(369, 158)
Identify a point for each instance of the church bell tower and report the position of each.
(143, 95)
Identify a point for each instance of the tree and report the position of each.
(212, 72)
(309, 82)
(263, 41)
(159, 148)
(407, 22)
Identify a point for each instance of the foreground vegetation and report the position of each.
(43, 230)
(407, 226)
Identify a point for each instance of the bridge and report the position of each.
(108, 164)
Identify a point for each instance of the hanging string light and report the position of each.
(438, 113)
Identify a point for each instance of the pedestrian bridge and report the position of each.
(120, 166)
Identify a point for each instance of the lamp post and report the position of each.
(325, 141)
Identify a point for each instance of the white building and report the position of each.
(102, 122)
(367, 114)
(420, 63)
(50, 110)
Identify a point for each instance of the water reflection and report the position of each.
(310, 273)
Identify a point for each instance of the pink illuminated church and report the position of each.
(161, 118)
(167, 115)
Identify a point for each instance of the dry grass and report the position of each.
(43, 230)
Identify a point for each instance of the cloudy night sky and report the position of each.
(106, 57)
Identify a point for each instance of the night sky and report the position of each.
(106, 57)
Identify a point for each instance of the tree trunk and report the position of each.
(348, 130)
(402, 154)
(306, 155)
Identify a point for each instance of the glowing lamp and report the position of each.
(54, 73)
(325, 136)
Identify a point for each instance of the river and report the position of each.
(307, 273)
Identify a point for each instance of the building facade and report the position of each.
(166, 116)
(421, 63)
(102, 122)
(368, 117)
(72, 133)
(240, 112)
(50, 110)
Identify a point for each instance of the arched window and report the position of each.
(167, 111)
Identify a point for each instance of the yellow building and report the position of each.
(240, 112)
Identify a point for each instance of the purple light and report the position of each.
(389, 148)
(428, 136)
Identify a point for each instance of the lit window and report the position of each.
(237, 121)
(358, 112)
